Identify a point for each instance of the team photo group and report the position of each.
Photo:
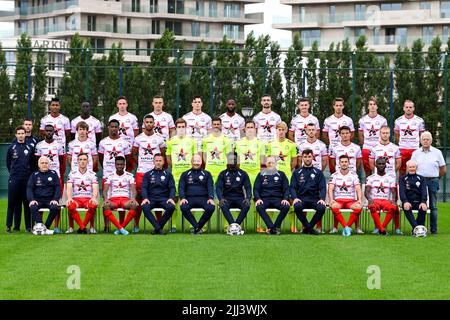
(200, 164)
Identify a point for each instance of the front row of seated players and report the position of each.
(271, 190)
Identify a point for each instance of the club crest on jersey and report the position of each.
(418, 183)
(50, 178)
(238, 179)
(163, 178)
(313, 175)
(276, 178)
(201, 177)
(25, 152)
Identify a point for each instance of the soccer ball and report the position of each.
(420, 231)
(39, 229)
(234, 230)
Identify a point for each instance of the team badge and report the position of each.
(50, 178)
(163, 178)
(238, 179)
(313, 175)
(276, 178)
(26, 152)
(201, 177)
(418, 183)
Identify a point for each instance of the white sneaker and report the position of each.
(334, 230)
(359, 231)
(92, 230)
(320, 231)
(70, 230)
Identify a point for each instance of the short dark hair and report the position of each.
(344, 128)
(196, 97)
(122, 97)
(149, 116)
(180, 120)
(266, 95)
(249, 121)
(28, 119)
(82, 154)
(344, 156)
(216, 118)
(20, 128)
(304, 99)
(119, 158)
(49, 125)
(380, 159)
(55, 99)
(158, 155)
(307, 151)
(338, 99)
(82, 125)
(113, 121)
(158, 97)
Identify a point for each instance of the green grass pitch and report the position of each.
(216, 266)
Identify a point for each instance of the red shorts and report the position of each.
(406, 156)
(119, 201)
(365, 159)
(345, 203)
(382, 205)
(139, 177)
(82, 202)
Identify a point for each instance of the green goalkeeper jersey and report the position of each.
(181, 151)
(215, 150)
(249, 153)
(284, 152)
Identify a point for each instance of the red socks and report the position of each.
(131, 214)
(109, 215)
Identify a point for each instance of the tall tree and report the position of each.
(38, 105)
(403, 79)
(23, 65)
(6, 130)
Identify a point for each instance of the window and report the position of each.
(46, 25)
(128, 25)
(92, 23)
(401, 36)
(231, 31)
(332, 11)
(59, 61)
(302, 13)
(175, 6)
(51, 60)
(200, 7)
(115, 24)
(51, 88)
(444, 34)
(376, 35)
(309, 36)
(153, 6)
(360, 11)
(232, 10)
(445, 9)
(98, 45)
(206, 30)
(213, 8)
(155, 27)
(35, 27)
(360, 32)
(175, 27)
(135, 5)
(425, 5)
(427, 34)
(391, 6)
(149, 47)
(137, 47)
(195, 29)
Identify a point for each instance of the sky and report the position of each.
(274, 12)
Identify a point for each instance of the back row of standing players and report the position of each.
(252, 140)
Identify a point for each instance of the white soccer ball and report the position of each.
(39, 229)
(234, 230)
(420, 231)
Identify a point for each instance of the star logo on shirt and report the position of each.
(83, 186)
(113, 153)
(196, 128)
(344, 187)
(50, 155)
(215, 154)
(158, 127)
(81, 151)
(267, 127)
(57, 130)
(281, 156)
(373, 131)
(231, 129)
(181, 155)
(123, 130)
(336, 131)
(349, 157)
(121, 186)
(303, 130)
(408, 131)
(249, 155)
(386, 157)
(148, 150)
(380, 188)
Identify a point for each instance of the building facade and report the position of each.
(136, 23)
(386, 24)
